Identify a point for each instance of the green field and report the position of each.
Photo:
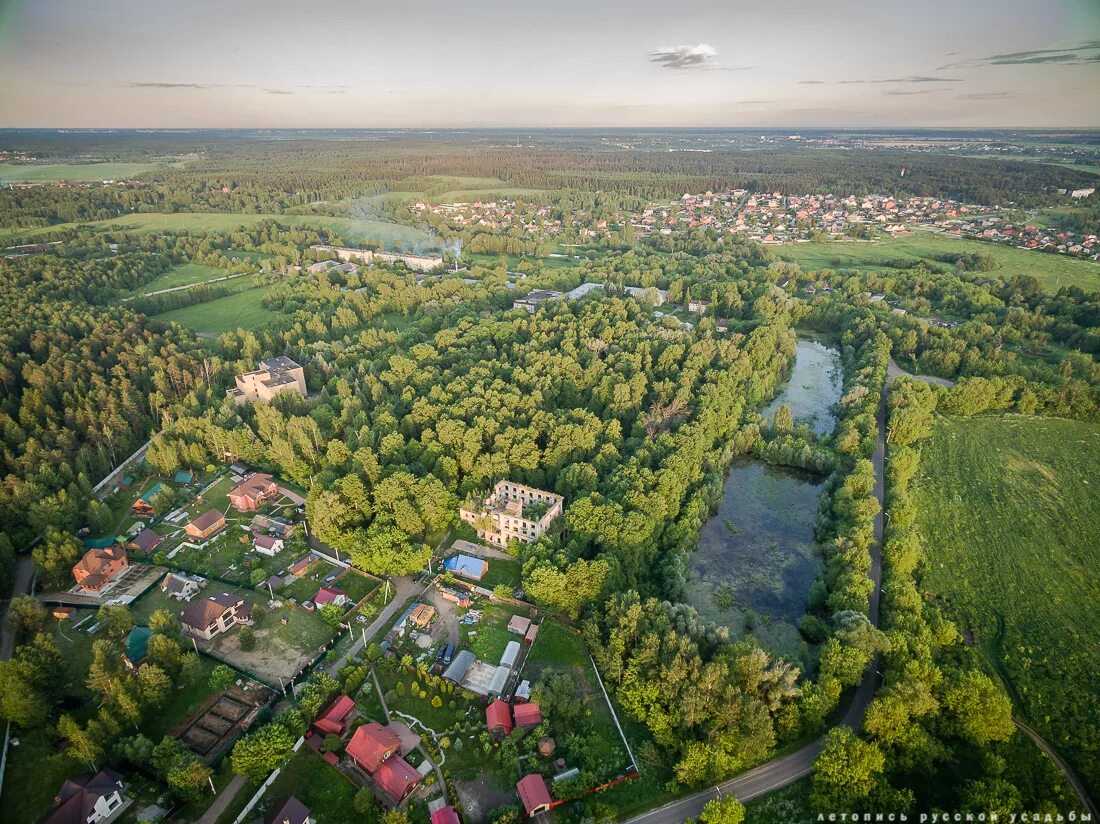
(48, 172)
(350, 229)
(1051, 270)
(183, 275)
(1010, 517)
(241, 310)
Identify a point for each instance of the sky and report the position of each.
(501, 63)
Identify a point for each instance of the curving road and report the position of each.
(787, 769)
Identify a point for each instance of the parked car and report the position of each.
(448, 652)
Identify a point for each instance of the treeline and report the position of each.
(936, 707)
(252, 177)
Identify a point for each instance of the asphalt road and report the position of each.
(787, 769)
(24, 572)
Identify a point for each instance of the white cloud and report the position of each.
(685, 57)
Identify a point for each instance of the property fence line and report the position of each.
(118, 470)
(252, 802)
(614, 715)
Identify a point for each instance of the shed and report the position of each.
(457, 668)
(511, 653)
(467, 566)
(519, 625)
(446, 815)
(528, 715)
(533, 794)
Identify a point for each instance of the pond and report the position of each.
(756, 558)
(814, 388)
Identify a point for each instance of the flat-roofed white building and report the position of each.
(274, 375)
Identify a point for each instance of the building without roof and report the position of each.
(214, 614)
(533, 794)
(92, 798)
(99, 568)
(272, 376)
(513, 511)
(533, 300)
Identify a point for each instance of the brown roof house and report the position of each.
(288, 810)
(206, 617)
(207, 524)
(99, 568)
(89, 799)
(251, 492)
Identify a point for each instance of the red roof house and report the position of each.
(396, 778)
(251, 492)
(371, 745)
(498, 716)
(332, 719)
(330, 595)
(99, 567)
(446, 815)
(528, 715)
(533, 794)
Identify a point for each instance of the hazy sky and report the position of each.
(422, 63)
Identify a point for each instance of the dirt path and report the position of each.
(404, 588)
(1063, 767)
(895, 371)
(224, 799)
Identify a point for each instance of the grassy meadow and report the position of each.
(242, 310)
(186, 274)
(1010, 516)
(1051, 270)
(352, 230)
(77, 172)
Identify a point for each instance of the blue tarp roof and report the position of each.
(466, 566)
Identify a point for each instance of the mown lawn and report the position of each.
(1051, 270)
(242, 310)
(328, 794)
(502, 572)
(1010, 515)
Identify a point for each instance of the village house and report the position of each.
(272, 376)
(145, 541)
(289, 810)
(206, 525)
(498, 717)
(137, 648)
(445, 815)
(333, 721)
(267, 545)
(178, 586)
(533, 794)
(99, 568)
(330, 595)
(374, 749)
(513, 511)
(92, 798)
(253, 491)
(527, 715)
(214, 614)
(698, 307)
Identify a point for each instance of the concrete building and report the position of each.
(271, 377)
(513, 511)
(418, 263)
(532, 301)
(647, 294)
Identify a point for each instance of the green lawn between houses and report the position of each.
(1010, 514)
(1051, 270)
